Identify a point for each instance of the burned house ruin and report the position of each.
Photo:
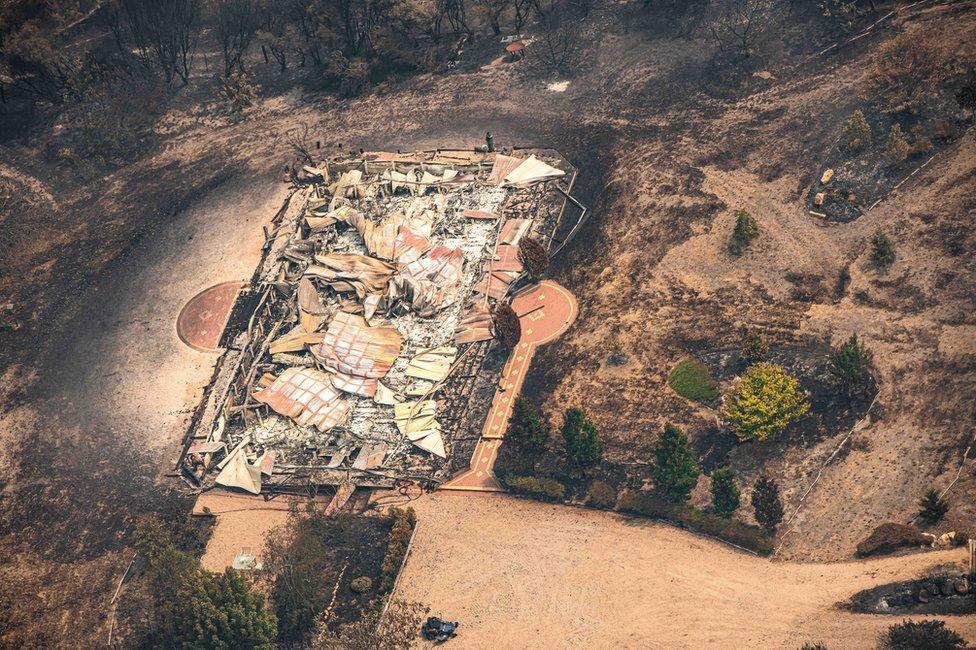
(364, 351)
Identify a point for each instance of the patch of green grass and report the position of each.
(691, 379)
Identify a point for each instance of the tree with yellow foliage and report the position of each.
(765, 401)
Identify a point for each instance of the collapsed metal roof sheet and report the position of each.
(359, 354)
(307, 396)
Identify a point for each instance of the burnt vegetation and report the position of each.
(87, 85)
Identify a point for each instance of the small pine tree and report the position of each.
(766, 504)
(850, 366)
(583, 444)
(857, 133)
(219, 610)
(725, 493)
(882, 250)
(674, 469)
(746, 229)
(527, 428)
(897, 149)
(756, 348)
(764, 402)
(924, 635)
(932, 507)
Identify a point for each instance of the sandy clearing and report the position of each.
(520, 574)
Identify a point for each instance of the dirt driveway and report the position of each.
(520, 574)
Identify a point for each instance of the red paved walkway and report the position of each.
(202, 320)
(546, 310)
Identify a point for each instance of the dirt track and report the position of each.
(520, 574)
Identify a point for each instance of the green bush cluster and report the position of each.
(725, 493)
(932, 507)
(746, 229)
(178, 604)
(882, 250)
(897, 148)
(396, 549)
(543, 488)
(730, 530)
(850, 366)
(674, 468)
(690, 379)
(766, 503)
(584, 446)
(528, 428)
(764, 402)
(857, 132)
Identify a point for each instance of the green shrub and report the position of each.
(756, 348)
(179, 604)
(221, 611)
(850, 366)
(766, 504)
(690, 379)
(543, 488)
(857, 133)
(882, 250)
(396, 549)
(237, 92)
(361, 585)
(725, 493)
(897, 149)
(527, 428)
(583, 444)
(924, 635)
(729, 530)
(765, 402)
(746, 229)
(601, 495)
(674, 468)
(932, 507)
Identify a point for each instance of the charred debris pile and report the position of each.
(367, 351)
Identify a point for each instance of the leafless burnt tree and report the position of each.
(740, 24)
(300, 143)
(235, 22)
(523, 9)
(163, 33)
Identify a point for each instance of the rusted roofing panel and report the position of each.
(479, 214)
(495, 284)
(307, 396)
(409, 246)
(506, 259)
(352, 347)
(475, 326)
(502, 167)
(442, 265)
